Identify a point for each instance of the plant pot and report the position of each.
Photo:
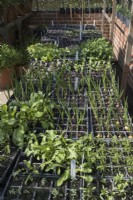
(92, 10)
(73, 10)
(110, 10)
(96, 10)
(107, 10)
(67, 10)
(87, 10)
(76, 10)
(62, 11)
(100, 9)
(6, 78)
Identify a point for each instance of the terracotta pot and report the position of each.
(6, 78)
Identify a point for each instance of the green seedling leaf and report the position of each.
(18, 136)
(11, 121)
(63, 178)
(89, 179)
(39, 114)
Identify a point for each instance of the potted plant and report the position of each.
(8, 58)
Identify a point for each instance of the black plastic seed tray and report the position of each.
(7, 161)
(119, 159)
(43, 188)
(29, 165)
(48, 40)
(27, 184)
(55, 32)
(112, 186)
(89, 27)
(35, 188)
(107, 135)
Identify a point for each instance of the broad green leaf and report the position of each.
(89, 179)
(24, 108)
(18, 136)
(4, 108)
(39, 114)
(11, 121)
(2, 135)
(63, 178)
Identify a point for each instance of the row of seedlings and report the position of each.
(66, 35)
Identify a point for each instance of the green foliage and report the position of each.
(43, 52)
(8, 56)
(17, 116)
(99, 49)
(124, 10)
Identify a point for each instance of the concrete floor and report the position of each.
(3, 97)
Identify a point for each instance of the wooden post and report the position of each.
(71, 13)
(127, 55)
(37, 5)
(103, 18)
(113, 20)
(89, 6)
(82, 15)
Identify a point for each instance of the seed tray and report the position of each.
(7, 162)
(112, 126)
(89, 27)
(49, 40)
(37, 188)
(107, 135)
(67, 41)
(113, 187)
(29, 165)
(45, 188)
(117, 161)
(75, 135)
(103, 113)
(112, 171)
(55, 32)
(106, 99)
(78, 100)
(69, 127)
(70, 123)
(90, 36)
(72, 99)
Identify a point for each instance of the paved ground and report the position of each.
(3, 97)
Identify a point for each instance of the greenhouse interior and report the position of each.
(66, 100)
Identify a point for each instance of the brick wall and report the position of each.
(42, 18)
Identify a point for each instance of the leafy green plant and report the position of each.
(99, 49)
(43, 52)
(8, 56)
(124, 10)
